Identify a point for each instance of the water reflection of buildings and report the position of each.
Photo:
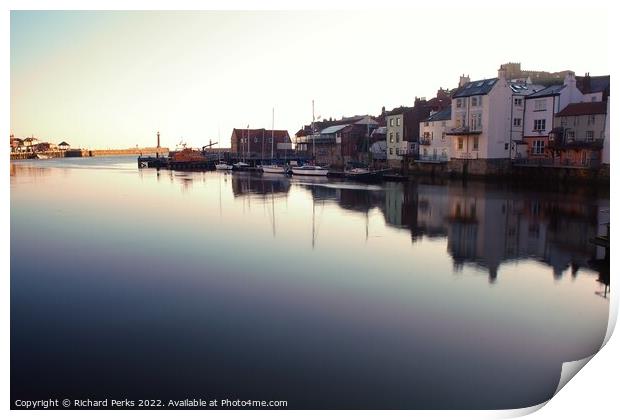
(259, 185)
(486, 226)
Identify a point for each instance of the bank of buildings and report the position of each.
(519, 118)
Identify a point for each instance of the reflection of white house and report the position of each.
(433, 140)
(394, 200)
(480, 127)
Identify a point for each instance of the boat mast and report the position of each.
(313, 147)
(272, 125)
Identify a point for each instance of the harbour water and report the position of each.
(144, 284)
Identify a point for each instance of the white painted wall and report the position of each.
(439, 147)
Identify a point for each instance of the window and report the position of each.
(563, 122)
(391, 137)
(516, 122)
(475, 147)
(425, 123)
(425, 151)
(459, 103)
(518, 101)
(538, 147)
(505, 146)
(474, 101)
(460, 143)
(591, 119)
(476, 121)
(570, 135)
(397, 121)
(443, 136)
(391, 122)
(397, 137)
(540, 105)
(391, 151)
(589, 135)
(539, 125)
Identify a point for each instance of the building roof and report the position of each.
(444, 114)
(258, 132)
(524, 88)
(552, 90)
(399, 110)
(334, 129)
(478, 87)
(63, 143)
(591, 84)
(583, 108)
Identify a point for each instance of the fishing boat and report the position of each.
(42, 156)
(310, 170)
(273, 168)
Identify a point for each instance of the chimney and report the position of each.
(569, 79)
(501, 73)
(463, 80)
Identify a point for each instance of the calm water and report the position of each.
(130, 283)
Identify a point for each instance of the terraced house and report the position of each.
(579, 135)
(480, 126)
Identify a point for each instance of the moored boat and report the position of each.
(240, 166)
(223, 166)
(274, 169)
(42, 156)
(310, 170)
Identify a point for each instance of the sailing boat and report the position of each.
(311, 169)
(242, 165)
(273, 168)
(221, 165)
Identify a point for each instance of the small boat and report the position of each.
(357, 171)
(42, 156)
(240, 166)
(363, 174)
(274, 169)
(310, 170)
(223, 166)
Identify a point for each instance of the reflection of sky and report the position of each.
(116, 263)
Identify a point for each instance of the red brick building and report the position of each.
(259, 141)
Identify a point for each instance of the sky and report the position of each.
(103, 79)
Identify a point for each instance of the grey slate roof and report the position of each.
(333, 129)
(548, 91)
(443, 115)
(478, 87)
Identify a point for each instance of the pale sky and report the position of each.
(113, 79)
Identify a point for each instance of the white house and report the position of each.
(520, 90)
(540, 109)
(395, 136)
(480, 119)
(434, 144)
